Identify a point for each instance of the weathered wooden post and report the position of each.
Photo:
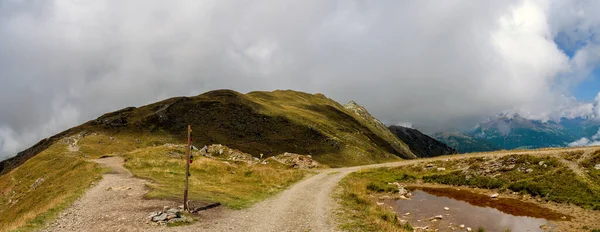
(187, 170)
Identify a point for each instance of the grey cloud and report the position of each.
(434, 64)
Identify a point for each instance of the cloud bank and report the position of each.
(583, 142)
(436, 64)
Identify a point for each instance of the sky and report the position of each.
(435, 64)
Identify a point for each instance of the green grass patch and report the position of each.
(236, 185)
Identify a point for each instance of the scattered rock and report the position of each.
(406, 214)
(38, 182)
(462, 226)
(495, 195)
(512, 166)
(439, 217)
(529, 170)
(469, 229)
(441, 169)
(446, 208)
(541, 163)
(379, 203)
(563, 217)
(597, 167)
(295, 160)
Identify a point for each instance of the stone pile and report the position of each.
(295, 160)
(168, 215)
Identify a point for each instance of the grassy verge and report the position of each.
(234, 184)
(37, 191)
(360, 213)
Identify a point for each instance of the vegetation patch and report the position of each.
(235, 184)
(34, 193)
(359, 211)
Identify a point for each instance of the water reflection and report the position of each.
(423, 206)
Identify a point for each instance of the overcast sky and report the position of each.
(435, 64)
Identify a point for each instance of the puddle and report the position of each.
(472, 210)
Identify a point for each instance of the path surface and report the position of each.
(305, 206)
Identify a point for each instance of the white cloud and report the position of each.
(594, 141)
(436, 64)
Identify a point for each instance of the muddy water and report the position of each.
(423, 206)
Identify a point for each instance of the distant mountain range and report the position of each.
(515, 132)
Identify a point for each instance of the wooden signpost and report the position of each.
(187, 170)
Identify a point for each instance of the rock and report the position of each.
(441, 169)
(434, 220)
(429, 166)
(541, 163)
(153, 214)
(171, 216)
(563, 217)
(469, 229)
(439, 217)
(403, 221)
(446, 208)
(37, 182)
(406, 214)
(402, 191)
(462, 226)
(511, 166)
(379, 203)
(597, 166)
(174, 211)
(160, 217)
(529, 170)
(495, 195)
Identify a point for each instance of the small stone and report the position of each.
(441, 169)
(597, 166)
(469, 229)
(462, 226)
(434, 220)
(406, 214)
(379, 203)
(495, 195)
(153, 214)
(446, 208)
(563, 217)
(160, 217)
(439, 217)
(529, 170)
(541, 163)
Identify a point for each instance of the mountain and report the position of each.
(464, 143)
(44, 179)
(266, 123)
(420, 144)
(516, 132)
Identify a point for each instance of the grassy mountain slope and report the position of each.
(48, 177)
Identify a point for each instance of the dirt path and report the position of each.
(305, 206)
(114, 204)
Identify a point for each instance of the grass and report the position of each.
(61, 178)
(360, 213)
(589, 164)
(236, 185)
